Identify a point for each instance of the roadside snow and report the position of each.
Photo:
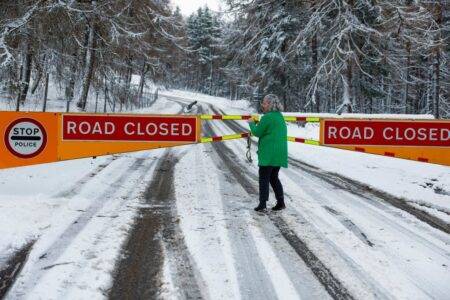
(27, 194)
(426, 186)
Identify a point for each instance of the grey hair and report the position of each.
(275, 102)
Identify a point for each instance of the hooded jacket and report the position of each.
(272, 144)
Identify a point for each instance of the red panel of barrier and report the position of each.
(387, 133)
(129, 128)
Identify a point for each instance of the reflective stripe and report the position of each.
(304, 141)
(246, 134)
(313, 120)
(235, 117)
(225, 117)
(206, 140)
(290, 119)
(224, 138)
(246, 117)
(312, 142)
(301, 119)
(231, 137)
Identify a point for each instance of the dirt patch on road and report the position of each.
(13, 267)
(156, 237)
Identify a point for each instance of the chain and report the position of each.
(249, 148)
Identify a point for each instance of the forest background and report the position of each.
(365, 56)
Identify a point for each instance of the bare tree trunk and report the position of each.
(429, 105)
(346, 106)
(89, 68)
(349, 83)
(211, 75)
(17, 98)
(389, 96)
(96, 101)
(419, 91)
(437, 66)
(38, 77)
(408, 65)
(25, 73)
(142, 82)
(44, 107)
(105, 95)
(370, 98)
(316, 95)
(128, 75)
(437, 87)
(69, 92)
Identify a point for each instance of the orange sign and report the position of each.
(33, 138)
(421, 140)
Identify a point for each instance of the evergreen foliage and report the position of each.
(385, 56)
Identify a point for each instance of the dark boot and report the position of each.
(260, 207)
(279, 206)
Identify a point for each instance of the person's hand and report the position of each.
(253, 119)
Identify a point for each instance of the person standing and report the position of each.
(272, 150)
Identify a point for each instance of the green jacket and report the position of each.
(272, 144)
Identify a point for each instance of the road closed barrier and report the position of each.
(421, 140)
(34, 138)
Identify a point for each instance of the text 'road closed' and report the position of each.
(129, 128)
(387, 133)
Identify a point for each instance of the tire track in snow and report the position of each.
(253, 278)
(349, 225)
(300, 244)
(122, 205)
(13, 267)
(392, 216)
(357, 188)
(241, 177)
(157, 236)
(366, 192)
(397, 234)
(54, 251)
(78, 186)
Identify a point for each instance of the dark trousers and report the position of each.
(269, 175)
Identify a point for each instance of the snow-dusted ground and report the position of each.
(79, 212)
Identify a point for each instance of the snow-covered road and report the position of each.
(369, 247)
(179, 223)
